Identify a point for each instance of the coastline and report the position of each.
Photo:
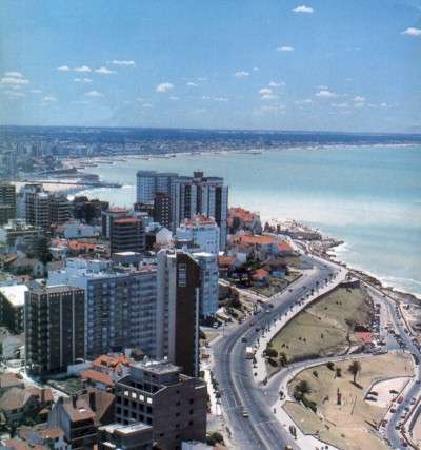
(371, 278)
(389, 286)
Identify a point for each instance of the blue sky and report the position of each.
(351, 65)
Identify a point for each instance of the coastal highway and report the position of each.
(249, 418)
(392, 429)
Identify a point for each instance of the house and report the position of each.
(16, 403)
(241, 219)
(80, 416)
(260, 277)
(77, 420)
(10, 380)
(254, 245)
(97, 379)
(44, 436)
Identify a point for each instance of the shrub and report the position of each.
(271, 353)
(330, 365)
(315, 373)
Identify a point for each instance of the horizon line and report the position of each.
(238, 130)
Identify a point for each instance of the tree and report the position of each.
(355, 368)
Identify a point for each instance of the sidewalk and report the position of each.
(282, 321)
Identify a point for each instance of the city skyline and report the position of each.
(277, 66)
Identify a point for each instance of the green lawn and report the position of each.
(326, 327)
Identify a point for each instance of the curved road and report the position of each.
(239, 393)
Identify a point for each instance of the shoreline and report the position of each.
(389, 287)
(365, 275)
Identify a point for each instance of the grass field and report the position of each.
(350, 426)
(326, 327)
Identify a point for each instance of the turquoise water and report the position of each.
(368, 196)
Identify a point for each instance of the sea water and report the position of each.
(368, 196)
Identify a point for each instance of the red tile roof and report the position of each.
(255, 239)
(99, 377)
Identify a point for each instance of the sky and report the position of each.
(328, 65)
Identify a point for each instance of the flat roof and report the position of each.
(14, 294)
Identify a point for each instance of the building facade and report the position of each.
(54, 320)
(209, 283)
(199, 234)
(157, 394)
(7, 202)
(178, 303)
(127, 235)
(120, 304)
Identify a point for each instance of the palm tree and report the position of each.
(354, 368)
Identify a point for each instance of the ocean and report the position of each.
(367, 195)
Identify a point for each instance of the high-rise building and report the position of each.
(162, 209)
(207, 196)
(178, 300)
(190, 196)
(108, 216)
(54, 320)
(209, 279)
(7, 202)
(149, 183)
(156, 393)
(42, 209)
(60, 209)
(88, 210)
(127, 235)
(199, 234)
(121, 304)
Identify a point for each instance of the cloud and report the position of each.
(146, 105)
(304, 101)
(255, 69)
(191, 83)
(123, 62)
(265, 91)
(93, 94)
(14, 94)
(324, 93)
(412, 32)
(13, 80)
(35, 91)
(174, 97)
(322, 87)
(241, 74)
(340, 105)
(13, 74)
(285, 48)
(276, 83)
(83, 69)
(162, 88)
(359, 99)
(83, 80)
(220, 99)
(104, 71)
(49, 98)
(267, 94)
(272, 108)
(304, 9)
(63, 68)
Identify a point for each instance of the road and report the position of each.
(405, 341)
(234, 373)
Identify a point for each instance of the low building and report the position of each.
(241, 219)
(155, 393)
(77, 420)
(17, 403)
(125, 437)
